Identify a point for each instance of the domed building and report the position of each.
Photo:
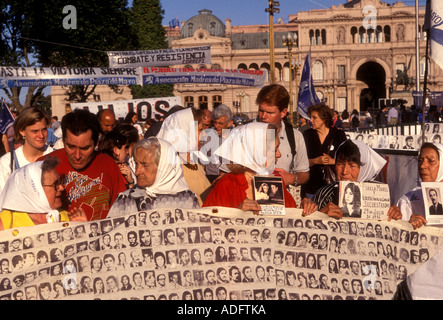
(204, 20)
(353, 64)
(243, 47)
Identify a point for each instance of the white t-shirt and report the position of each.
(5, 164)
(301, 161)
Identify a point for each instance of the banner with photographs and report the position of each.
(161, 57)
(394, 142)
(148, 108)
(196, 254)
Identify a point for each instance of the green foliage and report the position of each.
(33, 33)
(146, 17)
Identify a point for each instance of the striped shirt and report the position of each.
(327, 194)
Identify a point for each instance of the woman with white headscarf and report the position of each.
(32, 195)
(427, 281)
(183, 129)
(249, 150)
(411, 204)
(354, 161)
(160, 181)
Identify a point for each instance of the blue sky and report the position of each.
(247, 12)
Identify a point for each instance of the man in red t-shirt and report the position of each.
(92, 180)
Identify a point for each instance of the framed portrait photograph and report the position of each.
(269, 193)
(364, 200)
(432, 198)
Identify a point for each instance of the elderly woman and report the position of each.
(32, 196)
(160, 181)
(411, 204)
(354, 161)
(426, 282)
(322, 140)
(243, 148)
(31, 131)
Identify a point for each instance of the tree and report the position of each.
(16, 51)
(146, 17)
(100, 26)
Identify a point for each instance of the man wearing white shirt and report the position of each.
(273, 101)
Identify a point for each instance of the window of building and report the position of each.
(341, 104)
(216, 101)
(189, 101)
(203, 102)
(317, 71)
(341, 72)
(387, 33)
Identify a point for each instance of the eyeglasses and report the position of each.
(56, 185)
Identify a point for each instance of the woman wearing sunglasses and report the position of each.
(32, 195)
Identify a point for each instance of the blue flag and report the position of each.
(434, 25)
(306, 93)
(174, 23)
(6, 118)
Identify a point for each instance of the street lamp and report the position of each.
(289, 41)
(297, 66)
(273, 8)
(240, 96)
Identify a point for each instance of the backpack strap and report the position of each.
(14, 162)
(291, 138)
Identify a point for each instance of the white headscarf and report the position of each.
(181, 130)
(250, 145)
(372, 162)
(23, 192)
(170, 178)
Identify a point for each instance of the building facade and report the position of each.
(360, 52)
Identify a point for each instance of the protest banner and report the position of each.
(161, 57)
(206, 76)
(64, 76)
(212, 253)
(152, 108)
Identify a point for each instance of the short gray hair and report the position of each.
(152, 145)
(222, 110)
(49, 164)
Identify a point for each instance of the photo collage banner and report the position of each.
(405, 137)
(212, 253)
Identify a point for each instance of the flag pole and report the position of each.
(425, 83)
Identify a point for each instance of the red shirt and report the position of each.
(230, 191)
(93, 189)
